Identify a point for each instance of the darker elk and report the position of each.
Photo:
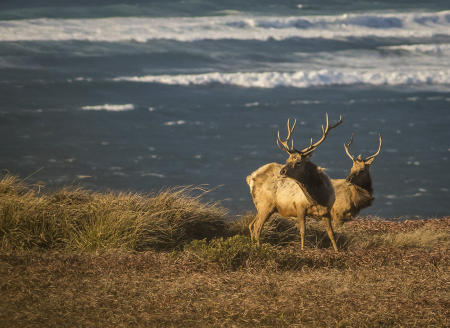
(354, 192)
(297, 189)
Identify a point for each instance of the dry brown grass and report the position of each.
(74, 258)
(360, 233)
(79, 219)
(367, 288)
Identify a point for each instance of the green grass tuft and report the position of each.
(234, 252)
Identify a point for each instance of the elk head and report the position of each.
(359, 173)
(297, 163)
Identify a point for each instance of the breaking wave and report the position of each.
(300, 79)
(411, 24)
(110, 107)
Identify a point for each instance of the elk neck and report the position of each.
(314, 183)
(362, 179)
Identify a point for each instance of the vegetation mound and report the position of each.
(73, 218)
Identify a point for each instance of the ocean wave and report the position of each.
(110, 107)
(300, 79)
(429, 49)
(116, 29)
(153, 174)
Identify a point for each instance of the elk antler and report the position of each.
(325, 131)
(284, 145)
(346, 145)
(378, 151)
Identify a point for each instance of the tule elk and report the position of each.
(354, 192)
(297, 189)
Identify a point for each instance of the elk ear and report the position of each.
(369, 161)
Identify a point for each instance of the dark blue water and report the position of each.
(136, 96)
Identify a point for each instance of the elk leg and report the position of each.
(250, 227)
(301, 226)
(261, 217)
(330, 232)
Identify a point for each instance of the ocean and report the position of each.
(142, 95)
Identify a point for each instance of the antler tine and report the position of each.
(347, 145)
(325, 131)
(290, 130)
(281, 145)
(379, 148)
(284, 145)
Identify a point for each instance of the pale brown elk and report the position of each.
(297, 189)
(354, 192)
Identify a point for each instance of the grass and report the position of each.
(78, 258)
(82, 220)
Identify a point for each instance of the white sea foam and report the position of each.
(142, 29)
(306, 102)
(153, 174)
(172, 123)
(301, 79)
(110, 107)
